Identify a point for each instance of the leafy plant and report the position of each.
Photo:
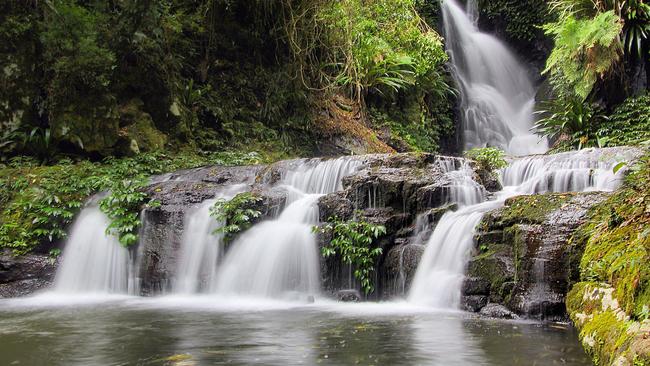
(122, 206)
(575, 123)
(352, 240)
(488, 158)
(629, 124)
(236, 214)
(585, 49)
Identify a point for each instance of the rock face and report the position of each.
(406, 193)
(179, 194)
(524, 259)
(21, 276)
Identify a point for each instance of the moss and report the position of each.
(532, 209)
(609, 336)
(616, 242)
(137, 125)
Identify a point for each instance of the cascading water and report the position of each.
(201, 247)
(94, 262)
(279, 258)
(497, 96)
(441, 270)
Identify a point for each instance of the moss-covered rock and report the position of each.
(607, 332)
(137, 125)
(523, 250)
(611, 304)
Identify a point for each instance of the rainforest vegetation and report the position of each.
(98, 96)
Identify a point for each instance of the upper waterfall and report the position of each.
(497, 95)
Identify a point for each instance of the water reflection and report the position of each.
(151, 333)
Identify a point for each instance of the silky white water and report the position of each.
(497, 95)
(441, 270)
(201, 247)
(279, 258)
(93, 262)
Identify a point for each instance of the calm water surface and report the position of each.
(205, 331)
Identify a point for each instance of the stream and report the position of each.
(195, 331)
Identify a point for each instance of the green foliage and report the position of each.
(629, 124)
(236, 214)
(381, 46)
(352, 240)
(122, 206)
(79, 66)
(521, 19)
(37, 203)
(585, 49)
(488, 158)
(634, 13)
(576, 123)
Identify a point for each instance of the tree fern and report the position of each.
(585, 49)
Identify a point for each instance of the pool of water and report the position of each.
(206, 331)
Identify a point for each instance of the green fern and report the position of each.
(585, 49)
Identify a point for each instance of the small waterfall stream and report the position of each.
(441, 270)
(202, 248)
(497, 95)
(94, 262)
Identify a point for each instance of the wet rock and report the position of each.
(475, 286)
(407, 194)
(497, 311)
(24, 275)
(335, 205)
(350, 295)
(399, 268)
(473, 303)
(523, 251)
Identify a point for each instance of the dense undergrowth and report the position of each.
(39, 202)
(96, 79)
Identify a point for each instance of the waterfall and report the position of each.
(472, 11)
(462, 188)
(201, 247)
(94, 262)
(497, 95)
(279, 258)
(441, 270)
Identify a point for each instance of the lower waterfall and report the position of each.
(201, 247)
(94, 261)
(276, 258)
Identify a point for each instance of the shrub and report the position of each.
(352, 240)
(575, 122)
(236, 214)
(487, 158)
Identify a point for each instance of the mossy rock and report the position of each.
(608, 335)
(91, 129)
(137, 125)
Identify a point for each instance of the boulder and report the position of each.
(523, 251)
(492, 310)
(24, 275)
